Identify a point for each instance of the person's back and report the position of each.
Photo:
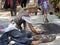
(13, 6)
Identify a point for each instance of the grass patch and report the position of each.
(58, 15)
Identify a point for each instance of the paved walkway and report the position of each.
(4, 13)
(40, 19)
(53, 27)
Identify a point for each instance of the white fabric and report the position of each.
(11, 26)
(27, 19)
(31, 1)
(45, 4)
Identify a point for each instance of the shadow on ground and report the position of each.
(51, 28)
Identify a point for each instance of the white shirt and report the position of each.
(27, 19)
(11, 26)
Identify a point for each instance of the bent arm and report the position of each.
(32, 28)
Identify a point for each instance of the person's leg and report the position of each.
(11, 7)
(47, 11)
(21, 21)
(14, 7)
(11, 12)
(15, 12)
(25, 4)
(45, 37)
(28, 34)
(22, 4)
(24, 23)
(45, 15)
(16, 34)
(35, 13)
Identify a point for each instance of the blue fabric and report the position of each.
(4, 39)
(39, 1)
(23, 41)
(2, 26)
(27, 33)
(18, 43)
(3, 43)
(23, 0)
(5, 25)
(21, 38)
(17, 34)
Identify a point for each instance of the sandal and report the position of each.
(45, 38)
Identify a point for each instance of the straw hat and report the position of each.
(31, 5)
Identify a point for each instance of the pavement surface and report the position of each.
(53, 27)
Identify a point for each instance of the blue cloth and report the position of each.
(23, 41)
(23, 0)
(39, 1)
(21, 38)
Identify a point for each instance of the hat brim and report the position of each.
(30, 8)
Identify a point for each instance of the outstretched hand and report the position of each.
(38, 30)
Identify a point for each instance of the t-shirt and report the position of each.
(27, 19)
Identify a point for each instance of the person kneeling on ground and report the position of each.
(24, 18)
